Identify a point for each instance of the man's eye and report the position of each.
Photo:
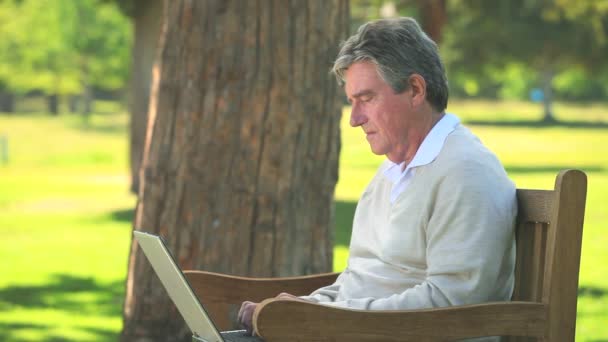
(366, 99)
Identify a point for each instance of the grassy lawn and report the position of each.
(65, 237)
(65, 210)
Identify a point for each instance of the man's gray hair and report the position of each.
(399, 48)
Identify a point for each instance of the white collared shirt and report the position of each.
(427, 152)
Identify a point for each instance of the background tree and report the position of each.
(146, 18)
(433, 17)
(543, 38)
(34, 52)
(7, 56)
(431, 14)
(62, 47)
(242, 150)
(101, 40)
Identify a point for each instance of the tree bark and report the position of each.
(52, 102)
(241, 158)
(73, 101)
(146, 22)
(87, 101)
(434, 16)
(7, 102)
(547, 79)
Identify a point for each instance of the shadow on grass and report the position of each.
(67, 293)
(550, 168)
(123, 215)
(345, 211)
(592, 291)
(12, 332)
(72, 295)
(540, 124)
(103, 334)
(106, 128)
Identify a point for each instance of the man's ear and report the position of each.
(417, 85)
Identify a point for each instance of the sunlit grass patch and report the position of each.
(65, 235)
(65, 211)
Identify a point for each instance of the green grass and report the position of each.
(65, 236)
(65, 210)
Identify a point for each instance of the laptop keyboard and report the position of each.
(239, 336)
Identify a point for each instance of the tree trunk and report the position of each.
(87, 101)
(52, 102)
(241, 157)
(547, 79)
(146, 21)
(7, 102)
(73, 102)
(433, 15)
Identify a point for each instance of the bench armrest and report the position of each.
(279, 320)
(223, 294)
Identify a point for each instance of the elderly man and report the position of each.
(435, 226)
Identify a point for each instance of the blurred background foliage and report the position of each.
(505, 49)
(63, 50)
(70, 51)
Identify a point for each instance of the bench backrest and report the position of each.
(549, 237)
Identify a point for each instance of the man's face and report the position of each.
(384, 116)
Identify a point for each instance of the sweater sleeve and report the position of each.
(327, 293)
(470, 244)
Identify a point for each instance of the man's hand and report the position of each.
(245, 316)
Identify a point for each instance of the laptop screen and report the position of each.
(177, 286)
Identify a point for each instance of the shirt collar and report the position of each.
(428, 150)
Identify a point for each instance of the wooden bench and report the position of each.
(543, 306)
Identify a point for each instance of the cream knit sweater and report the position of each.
(448, 239)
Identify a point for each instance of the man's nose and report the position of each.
(357, 117)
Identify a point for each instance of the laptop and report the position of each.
(181, 293)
